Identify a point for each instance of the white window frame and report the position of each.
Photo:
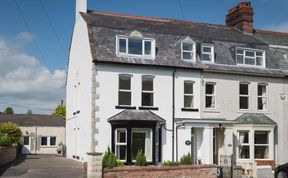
(211, 95)
(120, 144)
(265, 96)
(143, 55)
(188, 94)
(255, 57)
(193, 44)
(267, 144)
(242, 95)
(244, 144)
(212, 54)
(124, 90)
(148, 91)
(48, 141)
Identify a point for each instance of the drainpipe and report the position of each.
(177, 140)
(36, 137)
(173, 111)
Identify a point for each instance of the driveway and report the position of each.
(44, 166)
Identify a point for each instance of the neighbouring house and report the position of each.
(42, 134)
(170, 87)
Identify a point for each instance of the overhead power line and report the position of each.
(52, 26)
(23, 106)
(30, 31)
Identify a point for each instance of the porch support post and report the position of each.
(207, 153)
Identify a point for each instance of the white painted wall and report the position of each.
(227, 103)
(78, 94)
(107, 77)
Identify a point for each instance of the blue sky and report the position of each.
(37, 54)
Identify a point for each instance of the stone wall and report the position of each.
(193, 171)
(7, 155)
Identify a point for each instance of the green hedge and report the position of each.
(9, 133)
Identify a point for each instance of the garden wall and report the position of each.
(7, 154)
(191, 171)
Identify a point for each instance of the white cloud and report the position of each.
(282, 27)
(24, 81)
(25, 36)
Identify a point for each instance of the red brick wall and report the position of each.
(193, 171)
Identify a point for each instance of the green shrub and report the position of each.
(170, 163)
(140, 159)
(11, 130)
(109, 159)
(186, 159)
(5, 140)
(120, 163)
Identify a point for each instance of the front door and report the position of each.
(26, 145)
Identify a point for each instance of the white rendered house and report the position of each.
(171, 87)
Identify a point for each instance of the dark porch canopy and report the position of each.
(255, 118)
(134, 130)
(136, 115)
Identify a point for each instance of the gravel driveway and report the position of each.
(44, 166)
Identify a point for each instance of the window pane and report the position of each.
(210, 102)
(244, 152)
(209, 89)
(125, 82)
(261, 152)
(206, 57)
(207, 49)
(259, 53)
(138, 143)
(43, 140)
(188, 88)
(244, 89)
(187, 55)
(121, 136)
(249, 53)
(187, 46)
(147, 83)
(261, 137)
(243, 137)
(124, 98)
(262, 90)
(147, 99)
(135, 46)
(249, 61)
(244, 102)
(122, 45)
(147, 47)
(25, 140)
(52, 141)
(240, 51)
(188, 102)
(121, 152)
(262, 103)
(259, 61)
(240, 59)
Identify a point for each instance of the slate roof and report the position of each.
(255, 118)
(168, 33)
(33, 119)
(136, 115)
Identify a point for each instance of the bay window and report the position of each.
(120, 144)
(261, 145)
(244, 145)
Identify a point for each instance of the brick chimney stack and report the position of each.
(241, 17)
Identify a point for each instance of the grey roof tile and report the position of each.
(255, 118)
(136, 115)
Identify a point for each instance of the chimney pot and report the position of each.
(241, 17)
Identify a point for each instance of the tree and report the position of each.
(60, 110)
(9, 110)
(29, 111)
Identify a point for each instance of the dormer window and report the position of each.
(250, 57)
(135, 47)
(188, 49)
(207, 53)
